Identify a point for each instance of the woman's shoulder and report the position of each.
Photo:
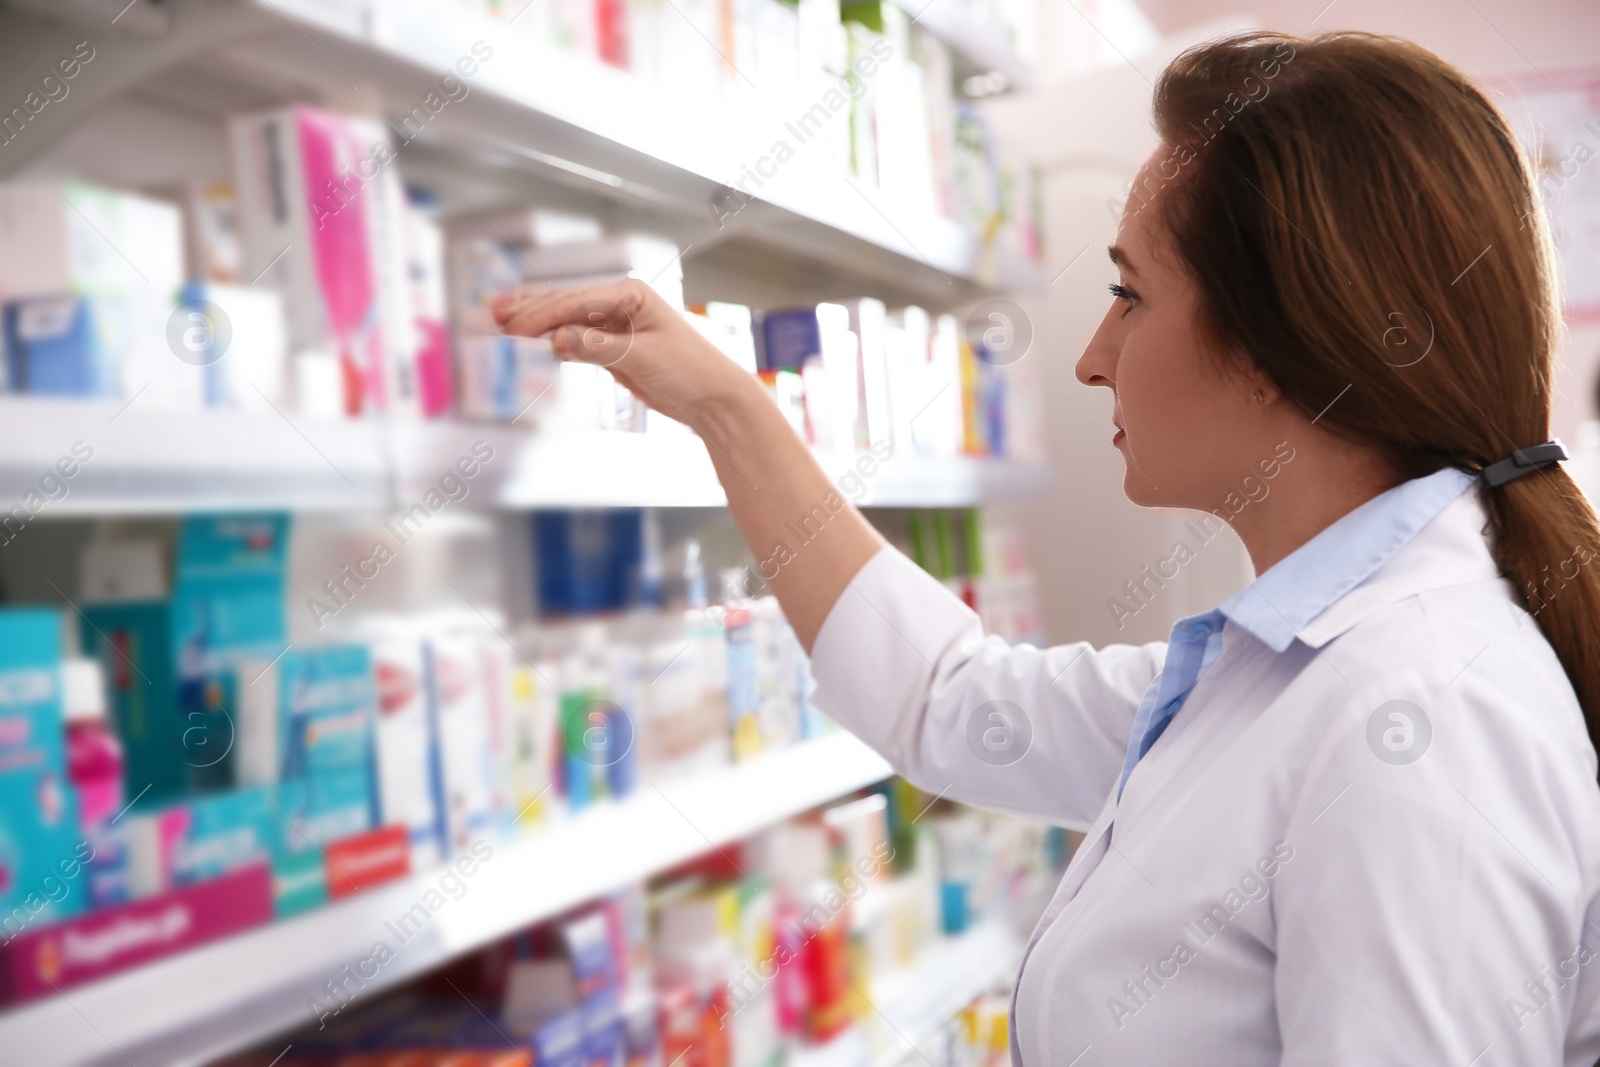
(1464, 674)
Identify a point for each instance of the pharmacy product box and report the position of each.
(39, 835)
(316, 811)
(657, 262)
(306, 725)
(408, 786)
(525, 705)
(105, 942)
(66, 345)
(133, 641)
(76, 238)
(588, 560)
(501, 376)
(204, 838)
(789, 338)
(459, 707)
(226, 831)
(244, 350)
(323, 185)
(365, 860)
(228, 600)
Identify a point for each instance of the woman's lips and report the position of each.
(1120, 434)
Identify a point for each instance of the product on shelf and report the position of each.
(89, 277)
(323, 221)
(738, 958)
(227, 605)
(984, 561)
(249, 374)
(460, 710)
(95, 767)
(42, 857)
(409, 790)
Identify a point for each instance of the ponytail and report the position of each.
(1546, 540)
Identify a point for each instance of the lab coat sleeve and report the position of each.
(904, 664)
(1432, 909)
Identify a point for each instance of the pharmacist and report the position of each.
(1350, 816)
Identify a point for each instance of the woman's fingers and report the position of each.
(605, 307)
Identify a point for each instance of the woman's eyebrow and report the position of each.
(1120, 257)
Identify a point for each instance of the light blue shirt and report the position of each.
(1290, 594)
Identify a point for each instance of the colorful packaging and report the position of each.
(589, 736)
(219, 834)
(41, 862)
(228, 605)
(132, 639)
(105, 942)
(324, 187)
(525, 708)
(100, 329)
(321, 757)
(458, 706)
(95, 767)
(67, 345)
(408, 786)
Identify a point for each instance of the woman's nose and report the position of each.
(1098, 364)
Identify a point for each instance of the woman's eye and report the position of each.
(1122, 293)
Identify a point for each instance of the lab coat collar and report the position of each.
(1422, 534)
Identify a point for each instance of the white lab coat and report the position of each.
(1275, 891)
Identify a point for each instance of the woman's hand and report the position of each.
(630, 331)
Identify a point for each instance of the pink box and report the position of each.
(105, 942)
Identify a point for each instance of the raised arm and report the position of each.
(899, 660)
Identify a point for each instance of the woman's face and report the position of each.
(1186, 423)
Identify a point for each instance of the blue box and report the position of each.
(225, 831)
(66, 345)
(42, 854)
(326, 718)
(791, 337)
(589, 560)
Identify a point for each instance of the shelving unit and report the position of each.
(155, 462)
(228, 995)
(595, 128)
(652, 158)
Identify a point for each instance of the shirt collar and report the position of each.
(1305, 585)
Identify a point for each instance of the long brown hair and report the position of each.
(1364, 228)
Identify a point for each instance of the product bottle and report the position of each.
(812, 921)
(587, 726)
(94, 765)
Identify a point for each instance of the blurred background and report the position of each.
(378, 690)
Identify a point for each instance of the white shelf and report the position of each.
(233, 993)
(912, 1004)
(148, 461)
(537, 108)
(156, 462)
(603, 469)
